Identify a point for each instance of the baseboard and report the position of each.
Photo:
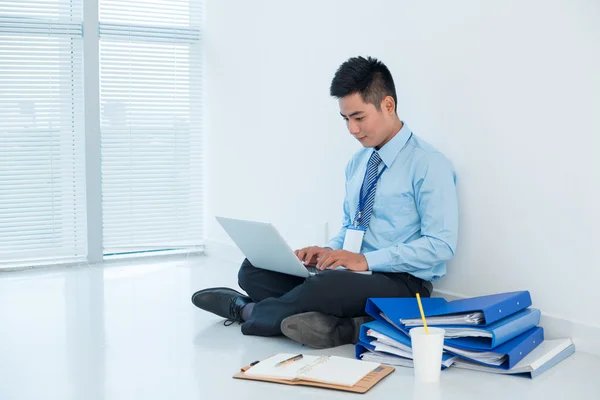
(583, 335)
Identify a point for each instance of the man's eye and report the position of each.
(359, 119)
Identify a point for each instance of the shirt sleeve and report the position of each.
(434, 183)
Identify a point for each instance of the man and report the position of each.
(400, 223)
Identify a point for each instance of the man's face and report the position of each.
(368, 125)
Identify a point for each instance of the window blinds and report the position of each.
(42, 188)
(150, 117)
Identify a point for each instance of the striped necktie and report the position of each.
(370, 182)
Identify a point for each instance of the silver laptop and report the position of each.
(264, 247)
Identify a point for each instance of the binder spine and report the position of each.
(532, 341)
(516, 327)
(507, 307)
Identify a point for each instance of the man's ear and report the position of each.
(388, 105)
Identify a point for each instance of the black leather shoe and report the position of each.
(322, 331)
(224, 302)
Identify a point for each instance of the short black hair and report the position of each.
(367, 76)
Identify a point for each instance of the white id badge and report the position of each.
(353, 240)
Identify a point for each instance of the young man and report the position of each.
(400, 222)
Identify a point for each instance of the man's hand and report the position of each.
(310, 255)
(342, 258)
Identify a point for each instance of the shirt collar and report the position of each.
(391, 149)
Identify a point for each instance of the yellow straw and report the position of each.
(422, 313)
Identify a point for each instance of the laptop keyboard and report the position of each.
(312, 270)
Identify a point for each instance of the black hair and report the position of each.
(367, 76)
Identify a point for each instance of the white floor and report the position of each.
(130, 332)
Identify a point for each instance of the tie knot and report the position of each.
(375, 158)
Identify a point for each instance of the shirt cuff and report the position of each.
(377, 260)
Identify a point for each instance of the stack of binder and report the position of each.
(495, 333)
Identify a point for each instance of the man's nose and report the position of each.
(353, 127)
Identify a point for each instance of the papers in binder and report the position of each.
(389, 359)
(390, 346)
(453, 333)
(389, 321)
(386, 340)
(325, 369)
(473, 318)
(491, 336)
(386, 344)
(486, 357)
(391, 349)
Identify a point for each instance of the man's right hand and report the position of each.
(310, 255)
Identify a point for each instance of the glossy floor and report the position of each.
(129, 331)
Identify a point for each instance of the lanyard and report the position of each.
(363, 199)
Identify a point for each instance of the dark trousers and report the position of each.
(338, 293)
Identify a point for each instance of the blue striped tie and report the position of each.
(370, 179)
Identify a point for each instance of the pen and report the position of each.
(289, 360)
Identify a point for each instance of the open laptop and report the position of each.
(264, 247)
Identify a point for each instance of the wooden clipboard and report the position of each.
(362, 386)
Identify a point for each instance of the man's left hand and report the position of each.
(343, 258)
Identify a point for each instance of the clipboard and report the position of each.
(363, 386)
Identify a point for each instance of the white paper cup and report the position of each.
(427, 353)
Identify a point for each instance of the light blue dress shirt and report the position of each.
(414, 224)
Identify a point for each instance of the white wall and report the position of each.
(509, 91)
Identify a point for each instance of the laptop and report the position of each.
(265, 248)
